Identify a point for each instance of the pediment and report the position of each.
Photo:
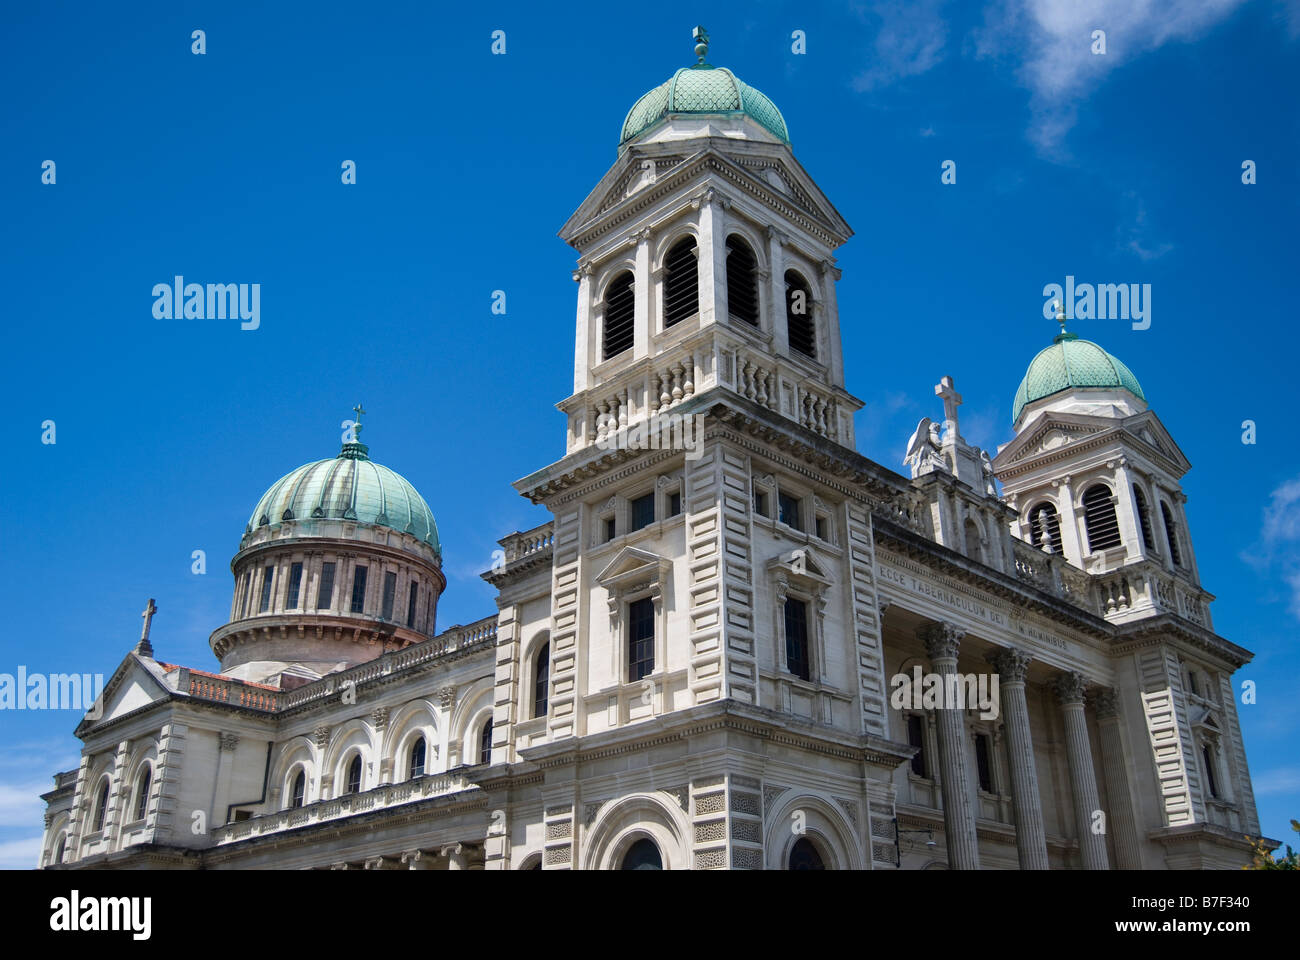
(1147, 428)
(632, 563)
(800, 563)
(1049, 435)
(136, 683)
(765, 170)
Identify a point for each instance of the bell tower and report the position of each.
(705, 258)
(1096, 478)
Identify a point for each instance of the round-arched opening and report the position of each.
(642, 855)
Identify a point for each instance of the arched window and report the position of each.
(61, 849)
(1144, 517)
(541, 680)
(1099, 518)
(354, 775)
(742, 281)
(485, 743)
(620, 311)
(642, 855)
(804, 856)
(799, 315)
(681, 282)
(1171, 534)
(299, 792)
(1212, 781)
(143, 782)
(1045, 527)
(418, 751)
(101, 806)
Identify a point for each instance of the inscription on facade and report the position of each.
(947, 597)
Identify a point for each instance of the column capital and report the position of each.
(1012, 664)
(1070, 687)
(941, 639)
(1107, 703)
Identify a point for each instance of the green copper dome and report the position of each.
(349, 487)
(703, 89)
(1068, 363)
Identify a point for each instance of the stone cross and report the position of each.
(951, 401)
(144, 646)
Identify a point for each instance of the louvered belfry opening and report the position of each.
(742, 281)
(681, 282)
(1045, 527)
(1171, 533)
(620, 312)
(798, 315)
(1144, 518)
(1100, 519)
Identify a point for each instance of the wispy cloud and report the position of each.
(1278, 546)
(1135, 234)
(20, 854)
(910, 40)
(1052, 40)
(1282, 780)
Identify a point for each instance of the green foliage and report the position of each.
(1263, 860)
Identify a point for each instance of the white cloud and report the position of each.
(1271, 782)
(909, 42)
(1278, 546)
(1053, 42)
(1135, 237)
(22, 854)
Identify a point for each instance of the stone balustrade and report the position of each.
(389, 795)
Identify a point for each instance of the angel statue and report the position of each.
(923, 454)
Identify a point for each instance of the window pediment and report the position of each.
(631, 566)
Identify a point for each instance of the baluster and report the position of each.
(760, 383)
(677, 382)
(622, 409)
(688, 388)
(665, 396)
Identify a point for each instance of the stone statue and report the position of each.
(923, 454)
(990, 488)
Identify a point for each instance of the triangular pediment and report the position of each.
(1055, 435)
(631, 563)
(645, 173)
(137, 682)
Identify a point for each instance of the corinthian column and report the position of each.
(1123, 824)
(1083, 780)
(1031, 837)
(941, 642)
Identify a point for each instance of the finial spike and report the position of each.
(144, 648)
(701, 42)
(356, 430)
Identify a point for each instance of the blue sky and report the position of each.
(225, 167)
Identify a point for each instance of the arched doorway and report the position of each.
(804, 856)
(642, 855)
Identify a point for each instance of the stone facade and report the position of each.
(699, 650)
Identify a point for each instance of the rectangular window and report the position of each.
(295, 585)
(641, 638)
(821, 528)
(325, 595)
(359, 590)
(410, 605)
(1211, 781)
(609, 529)
(760, 503)
(916, 737)
(643, 511)
(788, 510)
(796, 638)
(674, 504)
(268, 578)
(982, 763)
(390, 594)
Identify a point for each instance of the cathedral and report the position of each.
(737, 643)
